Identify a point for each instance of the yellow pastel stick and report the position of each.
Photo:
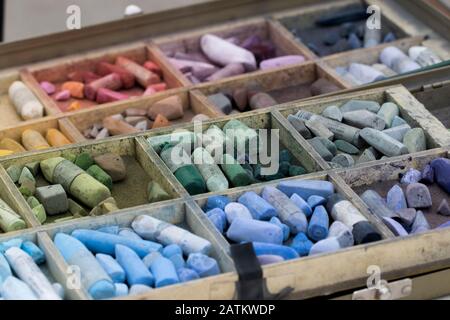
(56, 138)
(33, 140)
(10, 144)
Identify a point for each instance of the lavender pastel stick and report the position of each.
(269, 259)
(288, 212)
(100, 242)
(250, 230)
(151, 228)
(135, 270)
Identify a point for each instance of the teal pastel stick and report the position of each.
(319, 224)
(164, 272)
(34, 252)
(93, 277)
(101, 242)
(112, 267)
(135, 270)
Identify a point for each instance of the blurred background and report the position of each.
(24, 19)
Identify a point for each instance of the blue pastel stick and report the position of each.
(5, 269)
(178, 261)
(302, 204)
(171, 249)
(258, 207)
(129, 233)
(218, 218)
(307, 188)
(135, 270)
(287, 253)
(202, 264)
(327, 245)
(216, 202)
(186, 274)
(319, 224)
(301, 244)
(283, 227)
(93, 277)
(250, 230)
(10, 243)
(444, 225)
(109, 229)
(164, 272)
(315, 201)
(16, 289)
(112, 267)
(121, 289)
(139, 289)
(34, 252)
(269, 259)
(101, 242)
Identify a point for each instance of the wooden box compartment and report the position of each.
(130, 192)
(57, 73)
(284, 85)
(189, 42)
(370, 56)
(436, 98)
(85, 119)
(302, 23)
(381, 177)
(273, 125)
(42, 126)
(54, 267)
(10, 117)
(177, 213)
(412, 111)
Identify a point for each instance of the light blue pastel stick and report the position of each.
(315, 201)
(34, 252)
(269, 259)
(186, 274)
(283, 227)
(5, 269)
(16, 242)
(301, 244)
(148, 259)
(202, 264)
(288, 212)
(218, 218)
(319, 224)
(216, 202)
(121, 290)
(250, 230)
(302, 204)
(112, 267)
(93, 277)
(171, 249)
(101, 242)
(139, 289)
(178, 261)
(15, 289)
(109, 229)
(287, 253)
(129, 233)
(307, 188)
(258, 207)
(135, 270)
(327, 245)
(164, 272)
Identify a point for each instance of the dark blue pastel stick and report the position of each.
(319, 224)
(216, 202)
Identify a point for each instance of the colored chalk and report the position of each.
(33, 251)
(235, 210)
(186, 274)
(171, 249)
(302, 204)
(318, 225)
(216, 202)
(129, 233)
(121, 290)
(112, 267)
(109, 229)
(259, 208)
(287, 253)
(164, 272)
(203, 265)
(284, 228)
(100, 242)
(15, 289)
(250, 230)
(218, 217)
(178, 261)
(307, 188)
(135, 270)
(301, 244)
(93, 277)
(315, 201)
(5, 269)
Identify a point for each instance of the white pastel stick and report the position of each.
(150, 228)
(15, 289)
(26, 103)
(29, 272)
(347, 213)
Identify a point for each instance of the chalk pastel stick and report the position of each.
(274, 249)
(249, 230)
(203, 265)
(164, 272)
(15, 289)
(135, 270)
(258, 207)
(34, 252)
(93, 277)
(100, 242)
(186, 274)
(112, 267)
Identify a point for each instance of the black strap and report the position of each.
(251, 284)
